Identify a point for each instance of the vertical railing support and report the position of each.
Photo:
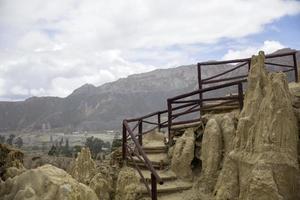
(295, 67)
(241, 95)
(140, 134)
(153, 187)
(249, 65)
(159, 120)
(200, 84)
(170, 137)
(124, 141)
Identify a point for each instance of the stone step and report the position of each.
(180, 195)
(159, 161)
(155, 149)
(165, 175)
(168, 187)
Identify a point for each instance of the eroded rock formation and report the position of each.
(83, 169)
(263, 164)
(127, 184)
(11, 161)
(211, 155)
(46, 182)
(183, 154)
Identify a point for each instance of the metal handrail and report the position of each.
(188, 103)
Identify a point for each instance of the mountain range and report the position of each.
(104, 107)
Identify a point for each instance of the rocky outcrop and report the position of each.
(46, 182)
(183, 154)
(211, 155)
(83, 168)
(102, 184)
(10, 157)
(263, 163)
(127, 184)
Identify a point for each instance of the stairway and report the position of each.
(156, 151)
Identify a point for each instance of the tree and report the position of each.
(51, 139)
(61, 141)
(53, 151)
(76, 149)
(95, 145)
(116, 143)
(10, 139)
(2, 139)
(66, 149)
(19, 142)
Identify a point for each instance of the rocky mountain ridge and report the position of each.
(104, 107)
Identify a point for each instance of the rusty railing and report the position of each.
(193, 103)
(196, 105)
(132, 146)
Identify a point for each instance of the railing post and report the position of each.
(249, 65)
(295, 66)
(140, 136)
(153, 187)
(241, 95)
(169, 121)
(124, 142)
(158, 120)
(200, 84)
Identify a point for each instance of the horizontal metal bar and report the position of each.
(147, 122)
(183, 106)
(221, 98)
(223, 73)
(147, 116)
(224, 79)
(206, 89)
(208, 99)
(288, 70)
(280, 65)
(186, 112)
(225, 61)
(187, 121)
(220, 104)
(246, 59)
(281, 54)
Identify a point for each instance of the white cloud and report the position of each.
(52, 47)
(267, 47)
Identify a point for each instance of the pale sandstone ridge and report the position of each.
(211, 155)
(263, 164)
(127, 184)
(183, 154)
(11, 162)
(83, 169)
(46, 182)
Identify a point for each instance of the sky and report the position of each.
(51, 47)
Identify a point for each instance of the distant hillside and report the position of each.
(103, 107)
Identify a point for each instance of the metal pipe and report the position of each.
(124, 143)
(169, 120)
(158, 120)
(241, 95)
(296, 67)
(153, 187)
(230, 70)
(207, 89)
(141, 133)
